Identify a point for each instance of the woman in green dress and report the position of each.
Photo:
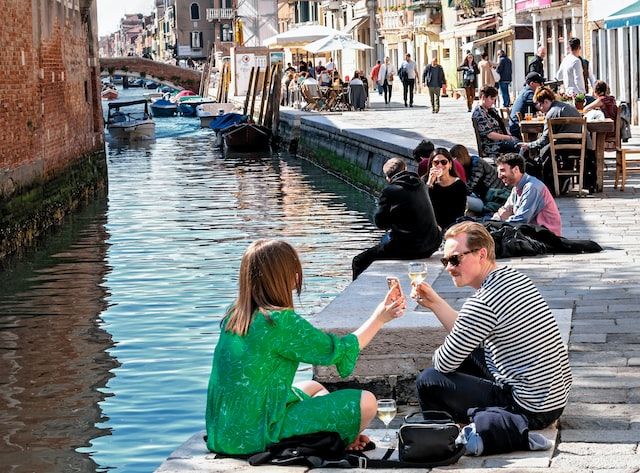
(252, 401)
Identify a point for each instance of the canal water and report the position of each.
(107, 330)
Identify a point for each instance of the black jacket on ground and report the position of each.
(405, 209)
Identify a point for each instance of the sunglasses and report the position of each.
(455, 260)
(440, 161)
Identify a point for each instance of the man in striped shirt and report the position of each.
(503, 348)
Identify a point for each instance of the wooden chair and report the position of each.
(575, 143)
(615, 144)
(478, 142)
(314, 101)
(505, 113)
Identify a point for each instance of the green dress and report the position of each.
(251, 402)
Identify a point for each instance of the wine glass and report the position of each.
(417, 272)
(386, 412)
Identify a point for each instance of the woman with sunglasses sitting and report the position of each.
(503, 354)
(447, 192)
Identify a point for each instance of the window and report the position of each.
(196, 39)
(195, 11)
(226, 34)
(446, 54)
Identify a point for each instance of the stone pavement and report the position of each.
(600, 429)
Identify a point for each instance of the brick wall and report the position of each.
(50, 110)
(51, 130)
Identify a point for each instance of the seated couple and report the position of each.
(503, 349)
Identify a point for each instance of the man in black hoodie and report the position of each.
(405, 210)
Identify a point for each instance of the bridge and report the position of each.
(166, 74)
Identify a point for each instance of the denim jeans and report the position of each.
(472, 385)
(504, 91)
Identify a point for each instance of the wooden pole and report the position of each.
(277, 90)
(254, 92)
(220, 86)
(246, 97)
(263, 99)
(268, 114)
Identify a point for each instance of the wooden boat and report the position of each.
(130, 126)
(246, 137)
(109, 93)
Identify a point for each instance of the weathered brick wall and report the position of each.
(49, 92)
(165, 73)
(50, 113)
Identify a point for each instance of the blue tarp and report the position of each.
(226, 120)
(629, 16)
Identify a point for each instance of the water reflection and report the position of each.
(145, 283)
(54, 361)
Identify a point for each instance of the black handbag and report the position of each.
(429, 437)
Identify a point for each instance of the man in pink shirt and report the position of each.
(530, 200)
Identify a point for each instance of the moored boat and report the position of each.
(163, 108)
(109, 93)
(130, 126)
(246, 137)
(206, 112)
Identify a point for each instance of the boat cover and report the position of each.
(227, 120)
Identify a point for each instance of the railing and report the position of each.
(220, 14)
(393, 19)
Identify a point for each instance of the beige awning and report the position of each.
(508, 34)
(470, 28)
(354, 23)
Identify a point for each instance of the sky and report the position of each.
(111, 11)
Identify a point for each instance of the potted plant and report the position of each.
(579, 101)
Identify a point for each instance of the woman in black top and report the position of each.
(470, 72)
(448, 193)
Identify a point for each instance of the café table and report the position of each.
(532, 128)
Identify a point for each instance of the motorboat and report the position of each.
(163, 108)
(206, 112)
(130, 126)
(187, 105)
(109, 92)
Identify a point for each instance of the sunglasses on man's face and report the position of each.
(443, 162)
(455, 260)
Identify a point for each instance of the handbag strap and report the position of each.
(362, 461)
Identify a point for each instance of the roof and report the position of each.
(628, 16)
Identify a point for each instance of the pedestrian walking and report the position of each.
(470, 72)
(386, 74)
(487, 72)
(505, 69)
(433, 78)
(408, 78)
(375, 70)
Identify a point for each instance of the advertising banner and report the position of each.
(523, 5)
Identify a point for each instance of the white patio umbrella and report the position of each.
(335, 42)
(298, 37)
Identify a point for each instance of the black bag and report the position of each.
(317, 450)
(429, 437)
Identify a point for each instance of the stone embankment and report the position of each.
(594, 295)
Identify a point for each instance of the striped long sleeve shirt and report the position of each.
(521, 339)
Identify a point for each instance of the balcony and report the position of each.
(214, 14)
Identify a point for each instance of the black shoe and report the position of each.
(405, 104)
(410, 105)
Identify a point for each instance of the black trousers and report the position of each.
(408, 86)
(472, 385)
(387, 87)
(388, 250)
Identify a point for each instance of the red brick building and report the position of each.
(52, 154)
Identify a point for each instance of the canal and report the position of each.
(108, 328)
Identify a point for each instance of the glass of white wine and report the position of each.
(417, 272)
(386, 412)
